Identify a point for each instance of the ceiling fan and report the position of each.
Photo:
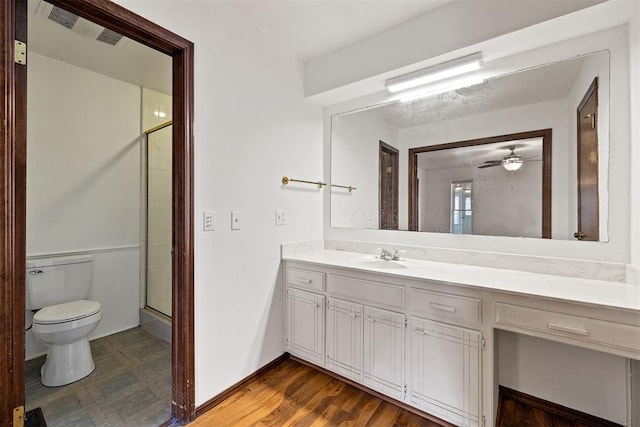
(510, 162)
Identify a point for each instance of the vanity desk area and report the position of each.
(426, 333)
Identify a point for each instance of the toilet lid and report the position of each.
(67, 312)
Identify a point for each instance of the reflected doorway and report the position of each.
(388, 179)
(588, 218)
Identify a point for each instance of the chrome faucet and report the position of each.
(387, 255)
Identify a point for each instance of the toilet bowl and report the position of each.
(66, 328)
(57, 289)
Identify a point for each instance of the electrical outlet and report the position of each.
(236, 220)
(281, 217)
(209, 221)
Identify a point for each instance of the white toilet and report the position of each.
(57, 288)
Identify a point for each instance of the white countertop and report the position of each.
(575, 290)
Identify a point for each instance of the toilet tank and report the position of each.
(57, 280)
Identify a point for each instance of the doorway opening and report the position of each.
(13, 74)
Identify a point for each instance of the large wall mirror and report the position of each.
(523, 154)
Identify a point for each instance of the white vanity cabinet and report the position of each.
(344, 338)
(366, 344)
(305, 325)
(384, 344)
(444, 371)
(431, 362)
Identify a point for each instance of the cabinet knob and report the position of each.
(579, 235)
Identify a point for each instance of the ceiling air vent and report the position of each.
(63, 17)
(109, 37)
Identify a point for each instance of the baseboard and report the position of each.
(508, 414)
(216, 400)
(379, 395)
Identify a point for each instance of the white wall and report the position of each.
(550, 114)
(83, 177)
(252, 126)
(589, 381)
(634, 158)
(504, 203)
(355, 161)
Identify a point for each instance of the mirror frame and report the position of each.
(545, 134)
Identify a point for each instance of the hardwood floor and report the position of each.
(293, 394)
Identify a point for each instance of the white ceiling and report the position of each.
(303, 28)
(310, 28)
(129, 61)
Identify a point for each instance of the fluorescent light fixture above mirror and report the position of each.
(448, 69)
(447, 86)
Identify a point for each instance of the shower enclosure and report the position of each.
(159, 225)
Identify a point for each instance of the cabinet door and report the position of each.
(305, 325)
(344, 338)
(383, 367)
(445, 371)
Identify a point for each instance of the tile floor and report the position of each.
(131, 385)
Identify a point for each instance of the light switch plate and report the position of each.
(281, 217)
(236, 220)
(209, 221)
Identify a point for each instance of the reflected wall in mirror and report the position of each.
(496, 135)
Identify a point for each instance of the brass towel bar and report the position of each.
(348, 187)
(286, 180)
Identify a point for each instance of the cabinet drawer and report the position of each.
(609, 334)
(446, 306)
(376, 293)
(305, 279)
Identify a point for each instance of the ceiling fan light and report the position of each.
(512, 163)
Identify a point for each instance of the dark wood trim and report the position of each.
(216, 400)
(580, 418)
(379, 395)
(386, 148)
(13, 16)
(13, 188)
(547, 189)
(545, 134)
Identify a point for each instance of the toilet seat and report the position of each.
(67, 312)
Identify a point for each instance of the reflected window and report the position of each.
(461, 207)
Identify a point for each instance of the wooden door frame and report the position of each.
(13, 192)
(384, 147)
(592, 90)
(545, 134)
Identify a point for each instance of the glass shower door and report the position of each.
(159, 220)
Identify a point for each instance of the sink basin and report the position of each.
(382, 264)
